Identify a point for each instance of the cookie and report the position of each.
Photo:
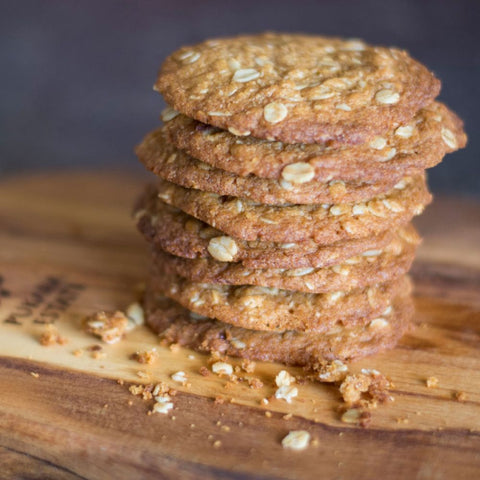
(296, 88)
(323, 223)
(269, 308)
(176, 166)
(180, 234)
(368, 268)
(406, 150)
(177, 325)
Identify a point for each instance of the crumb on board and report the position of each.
(366, 389)
(34, 374)
(460, 396)
(204, 371)
(284, 379)
(268, 414)
(109, 326)
(286, 392)
(330, 372)
(148, 357)
(248, 366)
(78, 352)
(431, 382)
(50, 336)
(356, 416)
(296, 440)
(222, 368)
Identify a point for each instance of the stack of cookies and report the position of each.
(289, 170)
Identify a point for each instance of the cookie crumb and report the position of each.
(268, 414)
(431, 382)
(217, 444)
(78, 352)
(204, 372)
(248, 366)
(366, 389)
(34, 374)
(296, 440)
(110, 326)
(148, 357)
(356, 416)
(51, 337)
(460, 396)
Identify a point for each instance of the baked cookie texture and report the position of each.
(296, 88)
(177, 325)
(289, 168)
(417, 144)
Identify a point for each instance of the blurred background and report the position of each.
(76, 76)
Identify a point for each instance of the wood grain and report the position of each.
(67, 248)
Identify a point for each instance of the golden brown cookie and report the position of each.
(176, 166)
(406, 150)
(177, 325)
(368, 268)
(324, 223)
(269, 308)
(180, 234)
(296, 88)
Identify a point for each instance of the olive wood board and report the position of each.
(68, 247)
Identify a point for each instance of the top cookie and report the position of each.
(296, 88)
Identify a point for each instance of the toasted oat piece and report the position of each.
(296, 88)
(180, 234)
(367, 268)
(268, 308)
(324, 223)
(177, 325)
(176, 166)
(408, 149)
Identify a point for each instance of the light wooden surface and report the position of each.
(68, 247)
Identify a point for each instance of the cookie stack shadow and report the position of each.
(280, 221)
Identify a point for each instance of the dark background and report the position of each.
(76, 76)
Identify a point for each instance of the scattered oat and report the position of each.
(264, 401)
(162, 407)
(136, 316)
(288, 416)
(432, 382)
(284, 379)
(287, 393)
(222, 368)
(142, 374)
(78, 352)
(217, 444)
(180, 377)
(219, 400)
(34, 374)
(268, 414)
(296, 440)
(174, 347)
(108, 325)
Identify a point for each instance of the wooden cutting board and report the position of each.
(68, 248)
